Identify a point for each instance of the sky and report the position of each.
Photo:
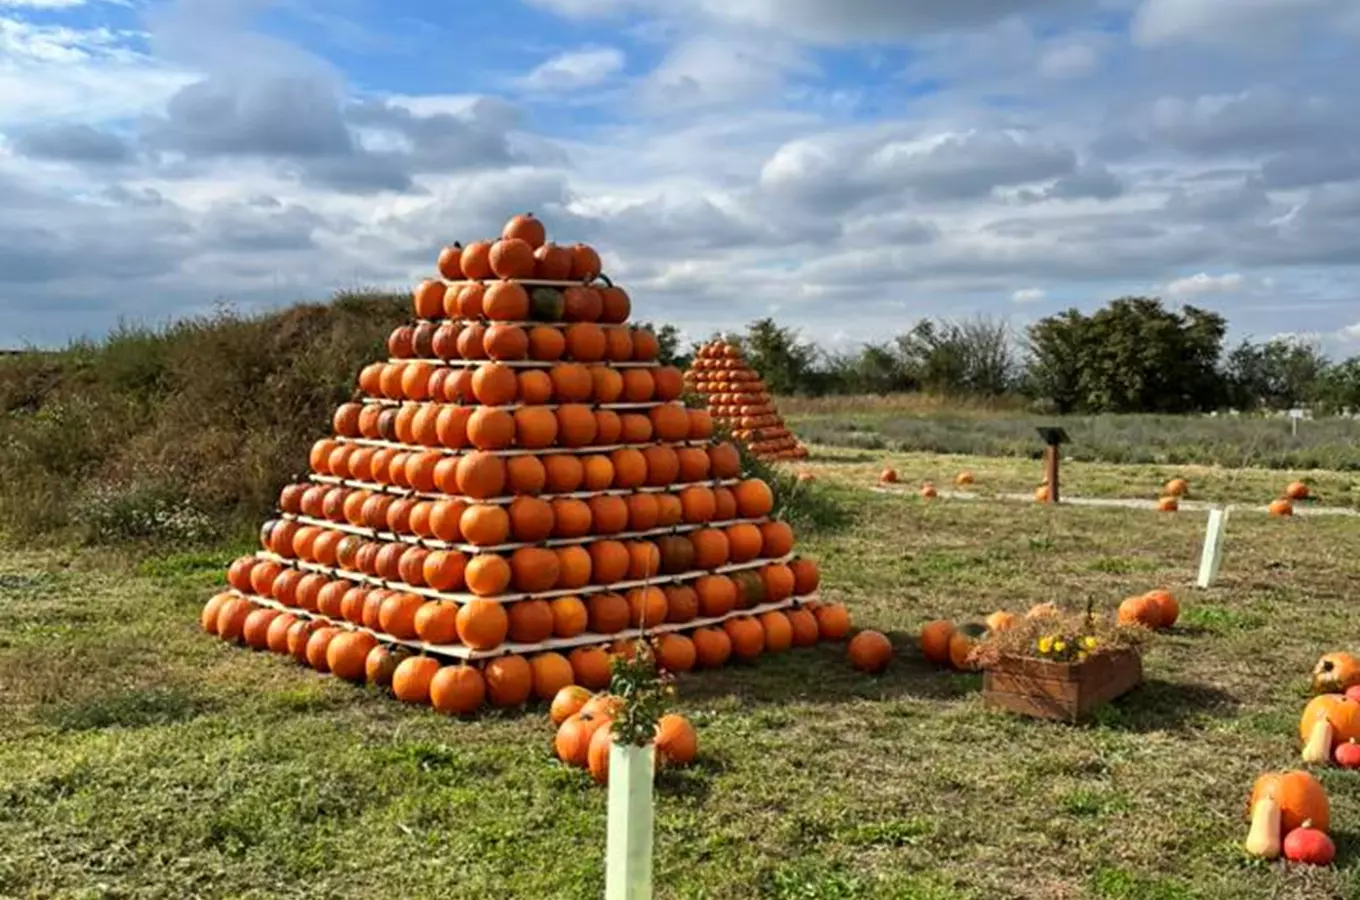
(845, 166)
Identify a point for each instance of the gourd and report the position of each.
(1317, 750)
(1263, 838)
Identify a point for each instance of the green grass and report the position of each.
(142, 758)
(1013, 475)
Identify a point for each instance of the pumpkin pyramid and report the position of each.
(516, 490)
(738, 400)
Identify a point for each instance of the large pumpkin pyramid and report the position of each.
(739, 400)
(513, 492)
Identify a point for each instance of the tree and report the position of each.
(1340, 386)
(1279, 374)
(1130, 356)
(1058, 354)
(778, 356)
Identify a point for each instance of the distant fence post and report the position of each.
(1212, 554)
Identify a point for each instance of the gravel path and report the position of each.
(1300, 509)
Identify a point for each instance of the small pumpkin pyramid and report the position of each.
(739, 400)
(514, 490)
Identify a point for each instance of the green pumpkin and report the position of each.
(546, 305)
(750, 589)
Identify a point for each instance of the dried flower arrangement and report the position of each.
(1058, 636)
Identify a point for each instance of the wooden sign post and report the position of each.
(1212, 554)
(628, 850)
(1053, 437)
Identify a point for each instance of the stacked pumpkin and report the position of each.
(515, 489)
(739, 400)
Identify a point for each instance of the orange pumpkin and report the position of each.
(1297, 490)
(1300, 796)
(347, 654)
(833, 621)
(887, 476)
(597, 756)
(411, 680)
(551, 673)
(457, 690)
(1280, 507)
(935, 638)
(509, 680)
(526, 228)
(1339, 710)
(1168, 504)
(567, 703)
(482, 624)
(1335, 672)
(870, 651)
(1140, 610)
(572, 742)
(1001, 620)
(960, 647)
(676, 743)
(1168, 608)
(1176, 487)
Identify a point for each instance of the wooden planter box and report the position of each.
(1064, 691)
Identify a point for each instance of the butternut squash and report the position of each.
(1317, 751)
(1263, 839)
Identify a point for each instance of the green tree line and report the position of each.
(1131, 356)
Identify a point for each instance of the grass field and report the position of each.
(917, 423)
(141, 758)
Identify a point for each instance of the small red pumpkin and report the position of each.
(1347, 754)
(1309, 846)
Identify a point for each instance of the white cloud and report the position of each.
(1069, 61)
(51, 72)
(710, 70)
(1262, 24)
(1350, 333)
(574, 70)
(740, 178)
(1204, 283)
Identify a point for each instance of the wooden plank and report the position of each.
(1036, 668)
(1006, 683)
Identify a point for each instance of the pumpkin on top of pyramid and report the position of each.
(513, 495)
(738, 400)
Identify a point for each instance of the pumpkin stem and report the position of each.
(605, 278)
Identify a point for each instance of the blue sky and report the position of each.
(845, 166)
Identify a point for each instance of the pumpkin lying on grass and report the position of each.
(584, 735)
(1281, 804)
(1327, 720)
(1335, 673)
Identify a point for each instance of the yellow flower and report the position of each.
(1089, 642)
(1059, 645)
(1081, 655)
(1045, 644)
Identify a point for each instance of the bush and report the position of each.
(179, 433)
